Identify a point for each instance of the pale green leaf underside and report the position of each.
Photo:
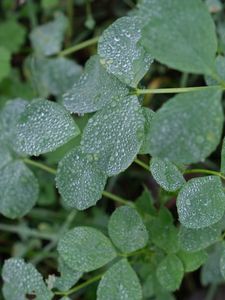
(5, 155)
(47, 39)
(94, 89)
(85, 249)
(120, 282)
(198, 239)
(166, 174)
(68, 277)
(148, 115)
(120, 52)
(194, 133)
(115, 134)
(127, 230)
(9, 117)
(201, 202)
(23, 279)
(211, 271)
(79, 180)
(52, 76)
(220, 69)
(222, 167)
(43, 127)
(170, 272)
(181, 34)
(19, 190)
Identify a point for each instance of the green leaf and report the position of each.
(196, 132)
(170, 272)
(52, 76)
(211, 272)
(47, 39)
(115, 134)
(43, 127)
(192, 261)
(68, 277)
(220, 68)
(163, 234)
(222, 167)
(201, 202)
(120, 52)
(176, 35)
(9, 117)
(197, 239)
(19, 190)
(166, 174)
(120, 282)
(148, 115)
(222, 263)
(127, 230)
(79, 180)
(85, 249)
(5, 155)
(4, 62)
(94, 89)
(12, 35)
(145, 203)
(22, 279)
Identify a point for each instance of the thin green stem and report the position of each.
(174, 90)
(39, 165)
(31, 13)
(205, 171)
(142, 164)
(117, 198)
(80, 46)
(27, 231)
(80, 286)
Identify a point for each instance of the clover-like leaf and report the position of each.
(115, 135)
(201, 202)
(166, 174)
(44, 126)
(68, 277)
(4, 62)
(5, 155)
(180, 34)
(127, 230)
(79, 179)
(120, 52)
(196, 131)
(170, 272)
(11, 28)
(47, 39)
(94, 89)
(52, 75)
(120, 282)
(19, 190)
(192, 260)
(222, 167)
(211, 270)
(85, 249)
(197, 239)
(148, 115)
(22, 280)
(9, 117)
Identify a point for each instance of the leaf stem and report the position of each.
(80, 286)
(174, 90)
(205, 171)
(117, 198)
(142, 164)
(39, 165)
(27, 231)
(80, 46)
